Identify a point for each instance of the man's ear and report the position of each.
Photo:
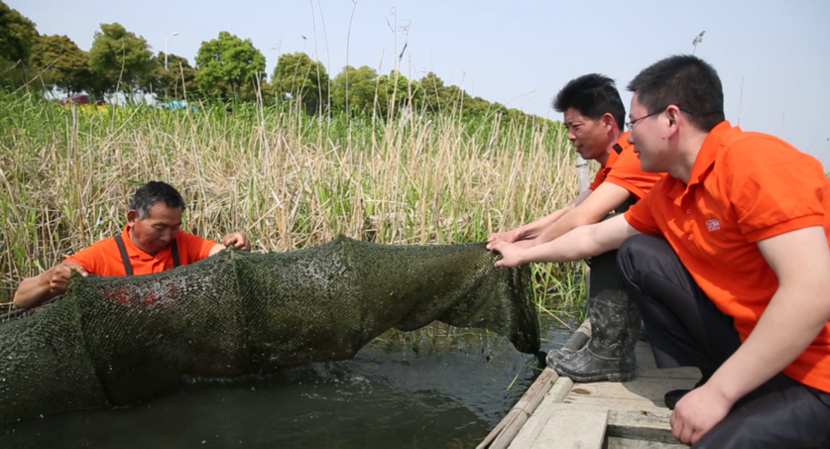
(673, 116)
(132, 216)
(608, 121)
(673, 113)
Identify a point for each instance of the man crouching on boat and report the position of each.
(728, 261)
(594, 116)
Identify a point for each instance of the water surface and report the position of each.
(398, 392)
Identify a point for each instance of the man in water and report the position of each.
(151, 242)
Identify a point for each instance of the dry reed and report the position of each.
(286, 179)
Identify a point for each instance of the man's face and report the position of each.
(648, 136)
(589, 136)
(157, 230)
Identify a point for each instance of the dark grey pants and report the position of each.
(686, 329)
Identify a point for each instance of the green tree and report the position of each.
(355, 90)
(403, 92)
(119, 57)
(455, 97)
(180, 78)
(229, 66)
(62, 64)
(176, 83)
(297, 77)
(479, 106)
(437, 97)
(17, 35)
(433, 92)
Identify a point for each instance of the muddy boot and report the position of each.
(579, 338)
(608, 354)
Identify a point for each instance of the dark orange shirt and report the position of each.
(104, 259)
(744, 187)
(623, 169)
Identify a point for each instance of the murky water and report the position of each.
(428, 393)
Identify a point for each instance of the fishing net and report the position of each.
(115, 341)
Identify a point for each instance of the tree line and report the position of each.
(227, 68)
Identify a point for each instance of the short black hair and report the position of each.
(151, 193)
(685, 81)
(592, 95)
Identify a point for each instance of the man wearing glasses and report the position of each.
(727, 259)
(594, 115)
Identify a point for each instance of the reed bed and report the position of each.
(287, 179)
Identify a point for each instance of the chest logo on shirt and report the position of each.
(712, 224)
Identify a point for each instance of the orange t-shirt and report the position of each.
(744, 187)
(623, 169)
(104, 259)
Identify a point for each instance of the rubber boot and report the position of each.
(608, 354)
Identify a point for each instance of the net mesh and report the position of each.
(115, 341)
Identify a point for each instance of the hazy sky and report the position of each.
(519, 53)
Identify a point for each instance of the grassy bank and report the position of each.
(287, 179)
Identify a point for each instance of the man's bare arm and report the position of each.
(795, 315)
(36, 290)
(580, 243)
(532, 230)
(595, 207)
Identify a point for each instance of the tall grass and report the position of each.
(287, 179)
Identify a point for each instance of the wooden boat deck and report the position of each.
(557, 413)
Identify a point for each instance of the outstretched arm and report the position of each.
(36, 290)
(532, 230)
(581, 242)
(595, 207)
(797, 312)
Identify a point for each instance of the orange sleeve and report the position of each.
(93, 257)
(641, 217)
(598, 179)
(627, 174)
(773, 187)
(194, 247)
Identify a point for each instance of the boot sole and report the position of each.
(601, 376)
(609, 377)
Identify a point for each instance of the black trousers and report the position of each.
(685, 328)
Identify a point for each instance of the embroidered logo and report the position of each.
(713, 224)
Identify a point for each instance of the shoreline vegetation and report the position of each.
(288, 179)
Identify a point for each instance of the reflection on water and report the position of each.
(394, 393)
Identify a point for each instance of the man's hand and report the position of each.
(238, 240)
(34, 291)
(511, 254)
(58, 276)
(509, 237)
(697, 412)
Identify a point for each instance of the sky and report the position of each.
(773, 57)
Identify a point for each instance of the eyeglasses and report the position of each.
(630, 125)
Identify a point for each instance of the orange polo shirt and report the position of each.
(744, 187)
(104, 259)
(623, 169)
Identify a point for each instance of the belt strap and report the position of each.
(175, 250)
(128, 267)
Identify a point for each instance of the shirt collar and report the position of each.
(614, 154)
(623, 140)
(133, 251)
(708, 152)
